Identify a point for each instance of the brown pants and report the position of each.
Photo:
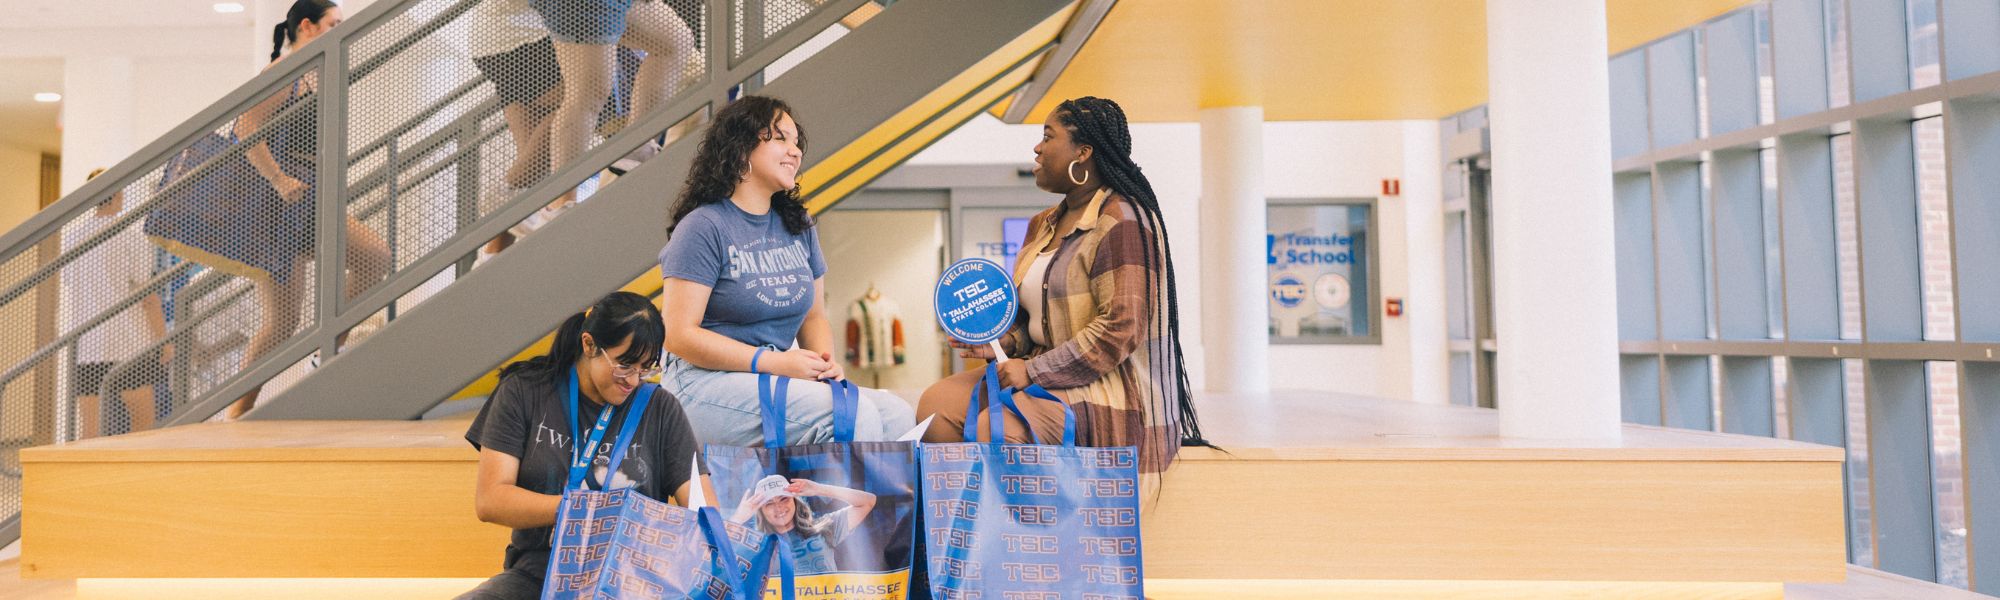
(948, 399)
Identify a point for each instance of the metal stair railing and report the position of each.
(376, 184)
(713, 88)
(948, 53)
(463, 129)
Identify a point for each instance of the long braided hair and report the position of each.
(1100, 123)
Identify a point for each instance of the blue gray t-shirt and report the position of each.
(762, 275)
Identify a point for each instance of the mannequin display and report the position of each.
(874, 333)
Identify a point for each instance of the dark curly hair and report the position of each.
(1101, 124)
(724, 156)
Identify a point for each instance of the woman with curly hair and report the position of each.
(744, 289)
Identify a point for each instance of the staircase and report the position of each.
(412, 145)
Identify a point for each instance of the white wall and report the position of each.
(1346, 159)
(904, 268)
(115, 104)
(20, 197)
(174, 89)
(20, 184)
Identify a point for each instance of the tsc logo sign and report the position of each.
(1108, 517)
(1110, 546)
(954, 509)
(953, 481)
(1033, 485)
(954, 538)
(962, 569)
(1027, 455)
(1031, 544)
(1033, 515)
(1113, 575)
(1109, 488)
(1288, 290)
(1032, 572)
(1106, 458)
(953, 454)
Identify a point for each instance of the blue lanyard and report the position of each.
(580, 456)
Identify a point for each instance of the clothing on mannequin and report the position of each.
(874, 332)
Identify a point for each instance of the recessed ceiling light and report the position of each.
(228, 7)
(48, 97)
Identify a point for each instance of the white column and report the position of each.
(97, 117)
(1423, 231)
(1555, 294)
(1234, 313)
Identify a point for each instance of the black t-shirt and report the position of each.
(525, 419)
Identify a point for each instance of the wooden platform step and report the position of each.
(1375, 490)
(1861, 584)
(1313, 486)
(259, 499)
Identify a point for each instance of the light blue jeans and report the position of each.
(722, 408)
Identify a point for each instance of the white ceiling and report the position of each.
(28, 124)
(24, 122)
(85, 14)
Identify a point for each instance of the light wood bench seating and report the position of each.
(1340, 488)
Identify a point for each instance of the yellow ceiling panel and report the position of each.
(1164, 60)
(1635, 22)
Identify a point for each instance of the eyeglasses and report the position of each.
(622, 370)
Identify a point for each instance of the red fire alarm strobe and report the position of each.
(1394, 306)
(1392, 187)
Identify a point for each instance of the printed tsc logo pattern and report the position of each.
(620, 544)
(1019, 522)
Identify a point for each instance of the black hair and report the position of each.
(613, 320)
(301, 11)
(1100, 123)
(724, 156)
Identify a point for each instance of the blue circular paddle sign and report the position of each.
(975, 301)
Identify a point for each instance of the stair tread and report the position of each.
(260, 441)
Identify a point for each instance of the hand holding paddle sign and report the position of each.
(975, 304)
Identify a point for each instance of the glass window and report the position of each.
(1320, 269)
(1923, 37)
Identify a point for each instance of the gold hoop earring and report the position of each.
(1071, 171)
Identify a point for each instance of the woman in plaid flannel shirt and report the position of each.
(1098, 325)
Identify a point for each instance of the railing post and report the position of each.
(389, 206)
(66, 419)
(753, 28)
(178, 378)
(330, 219)
(468, 185)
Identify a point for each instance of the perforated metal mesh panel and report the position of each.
(200, 267)
(756, 22)
(103, 331)
(454, 110)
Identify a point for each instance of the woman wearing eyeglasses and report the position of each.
(744, 281)
(583, 388)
